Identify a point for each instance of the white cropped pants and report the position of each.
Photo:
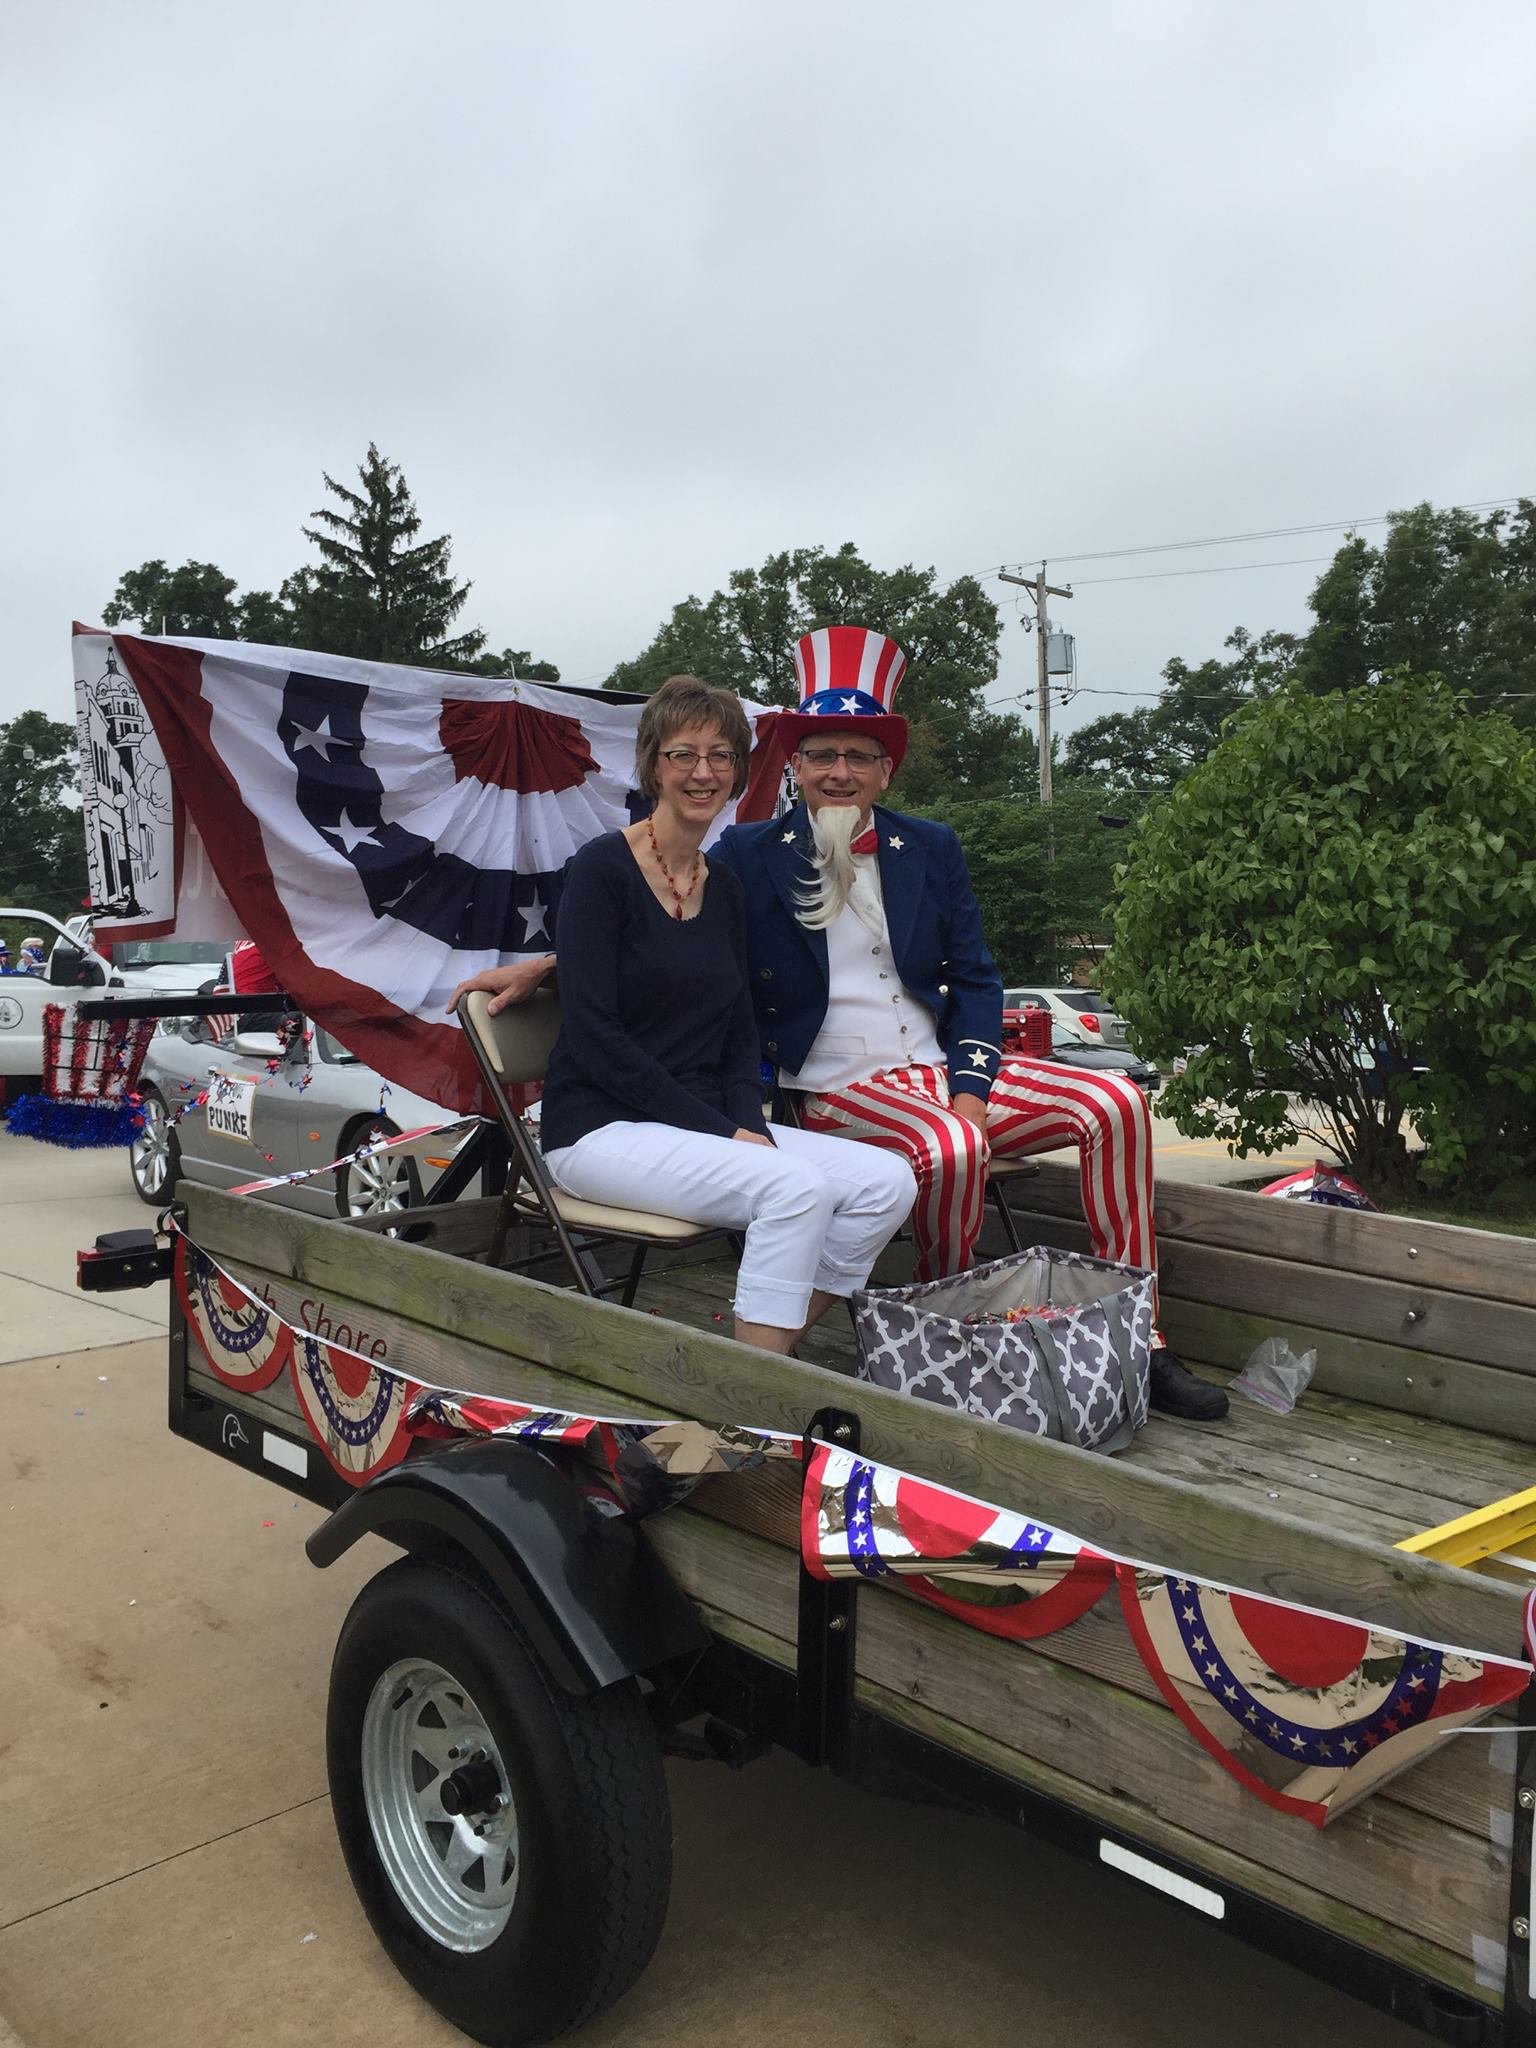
(816, 1211)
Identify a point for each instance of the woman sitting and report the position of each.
(654, 1096)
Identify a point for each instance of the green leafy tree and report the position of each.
(1339, 905)
(1150, 749)
(1447, 592)
(744, 637)
(513, 661)
(42, 841)
(1037, 913)
(197, 599)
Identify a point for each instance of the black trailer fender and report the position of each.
(585, 1586)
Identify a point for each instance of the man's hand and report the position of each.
(514, 983)
(972, 1107)
(752, 1138)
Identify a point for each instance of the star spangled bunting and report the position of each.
(246, 1344)
(1002, 1572)
(1310, 1712)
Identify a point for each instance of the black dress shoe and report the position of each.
(1175, 1390)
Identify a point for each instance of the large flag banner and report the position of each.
(381, 833)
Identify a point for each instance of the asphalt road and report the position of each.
(168, 1873)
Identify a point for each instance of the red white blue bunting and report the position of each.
(1001, 1572)
(1309, 1711)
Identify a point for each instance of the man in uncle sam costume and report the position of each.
(878, 1001)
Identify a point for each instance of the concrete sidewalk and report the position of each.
(52, 1202)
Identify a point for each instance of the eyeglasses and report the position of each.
(859, 759)
(722, 758)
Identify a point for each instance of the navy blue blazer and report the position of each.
(934, 923)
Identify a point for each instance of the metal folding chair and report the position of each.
(512, 1051)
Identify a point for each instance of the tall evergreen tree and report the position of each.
(379, 592)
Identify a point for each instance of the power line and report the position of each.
(1215, 569)
(1221, 540)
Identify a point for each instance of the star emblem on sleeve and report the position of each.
(979, 1060)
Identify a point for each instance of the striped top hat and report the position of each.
(848, 677)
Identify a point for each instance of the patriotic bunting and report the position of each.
(246, 1344)
(1309, 1711)
(355, 1408)
(999, 1571)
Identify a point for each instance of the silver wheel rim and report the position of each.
(150, 1154)
(376, 1187)
(455, 1874)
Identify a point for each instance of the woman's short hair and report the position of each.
(689, 700)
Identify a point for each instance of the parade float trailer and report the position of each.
(713, 1629)
(1208, 1664)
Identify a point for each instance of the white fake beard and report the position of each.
(833, 829)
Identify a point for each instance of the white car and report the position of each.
(276, 1107)
(1079, 1016)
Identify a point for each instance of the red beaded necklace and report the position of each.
(679, 897)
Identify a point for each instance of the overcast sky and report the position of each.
(639, 293)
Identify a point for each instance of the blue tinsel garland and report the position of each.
(75, 1125)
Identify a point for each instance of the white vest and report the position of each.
(872, 1022)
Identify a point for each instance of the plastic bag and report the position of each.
(1275, 1377)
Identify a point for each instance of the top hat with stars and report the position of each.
(848, 677)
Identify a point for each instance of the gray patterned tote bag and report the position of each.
(1072, 1362)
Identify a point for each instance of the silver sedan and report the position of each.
(274, 1105)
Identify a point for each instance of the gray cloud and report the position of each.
(638, 294)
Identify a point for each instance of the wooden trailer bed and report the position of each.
(1423, 1405)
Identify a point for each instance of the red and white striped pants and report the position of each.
(1034, 1106)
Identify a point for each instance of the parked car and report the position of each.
(1079, 1016)
(1110, 1059)
(275, 1106)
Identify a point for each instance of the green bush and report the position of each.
(1343, 892)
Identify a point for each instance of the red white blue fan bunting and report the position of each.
(355, 1409)
(1309, 1711)
(246, 1344)
(1002, 1572)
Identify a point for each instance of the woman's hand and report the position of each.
(753, 1137)
(514, 983)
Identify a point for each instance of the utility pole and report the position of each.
(1040, 590)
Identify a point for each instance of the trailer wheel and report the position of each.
(511, 1843)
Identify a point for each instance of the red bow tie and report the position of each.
(867, 842)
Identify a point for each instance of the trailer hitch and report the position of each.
(123, 1258)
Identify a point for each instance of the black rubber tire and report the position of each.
(591, 1798)
(167, 1188)
(351, 1138)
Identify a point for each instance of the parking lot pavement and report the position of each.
(51, 1203)
(171, 1877)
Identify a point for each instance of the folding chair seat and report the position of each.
(512, 1051)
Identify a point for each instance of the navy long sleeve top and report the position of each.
(656, 1022)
